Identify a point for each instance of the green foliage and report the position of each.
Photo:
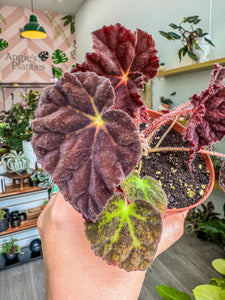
(213, 291)
(208, 292)
(198, 216)
(10, 247)
(167, 100)
(146, 188)
(59, 57)
(15, 126)
(126, 235)
(189, 37)
(57, 72)
(219, 265)
(3, 44)
(16, 162)
(169, 293)
(69, 19)
(44, 179)
(2, 214)
(214, 230)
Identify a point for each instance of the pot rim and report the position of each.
(209, 166)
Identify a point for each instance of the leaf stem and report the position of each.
(166, 132)
(180, 110)
(175, 149)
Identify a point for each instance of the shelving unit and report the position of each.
(10, 190)
(208, 65)
(24, 225)
(16, 199)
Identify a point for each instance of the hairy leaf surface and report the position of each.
(146, 188)
(86, 146)
(208, 126)
(126, 235)
(127, 58)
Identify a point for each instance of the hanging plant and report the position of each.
(59, 57)
(69, 20)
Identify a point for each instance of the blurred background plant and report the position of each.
(15, 123)
(189, 37)
(206, 224)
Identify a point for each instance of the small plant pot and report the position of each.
(35, 245)
(209, 166)
(15, 222)
(7, 213)
(10, 257)
(14, 213)
(33, 183)
(22, 216)
(4, 224)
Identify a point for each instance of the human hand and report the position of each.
(73, 271)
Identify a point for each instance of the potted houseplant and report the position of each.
(15, 126)
(4, 223)
(165, 103)
(16, 162)
(96, 155)
(10, 249)
(189, 37)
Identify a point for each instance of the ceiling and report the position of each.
(61, 6)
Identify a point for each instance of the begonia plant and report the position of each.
(86, 135)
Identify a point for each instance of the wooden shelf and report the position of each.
(24, 225)
(192, 68)
(10, 190)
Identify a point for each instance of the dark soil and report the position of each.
(182, 187)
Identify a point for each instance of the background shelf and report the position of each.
(208, 65)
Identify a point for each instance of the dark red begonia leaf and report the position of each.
(127, 58)
(86, 146)
(207, 124)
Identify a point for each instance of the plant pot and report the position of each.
(22, 216)
(33, 183)
(204, 54)
(15, 221)
(209, 166)
(9, 256)
(4, 224)
(35, 245)
(7, 213)
(29, 152)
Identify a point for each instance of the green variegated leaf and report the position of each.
(126, 235)
(146, 188)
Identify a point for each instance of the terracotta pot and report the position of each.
(209, 166)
